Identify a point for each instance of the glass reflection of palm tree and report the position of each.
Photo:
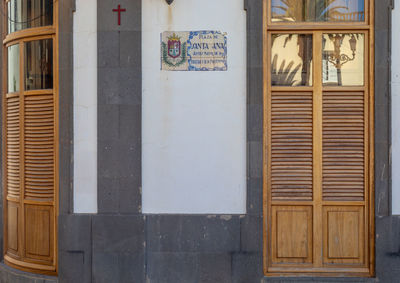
(281, 76)
(305, 10)
(285, 75)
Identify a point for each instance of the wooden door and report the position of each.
(30, 136)
(318, 142)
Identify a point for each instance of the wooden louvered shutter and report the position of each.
(318, 152)
(13, 173)
(343, 146)
(291, 146)
(39, 147)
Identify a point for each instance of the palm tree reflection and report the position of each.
(294, 69)
(317, 10)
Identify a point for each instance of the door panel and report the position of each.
(292, 242)
(344, 235)
(12, 228)
(39, 233)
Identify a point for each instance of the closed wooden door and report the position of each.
(318, 138)
(30, 133)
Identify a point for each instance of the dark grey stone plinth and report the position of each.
(11, 275)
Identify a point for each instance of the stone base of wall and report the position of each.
(11, 275)
(182, 249)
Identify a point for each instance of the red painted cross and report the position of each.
(119, 10)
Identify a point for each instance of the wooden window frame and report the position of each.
(319, 28)
(21, 37)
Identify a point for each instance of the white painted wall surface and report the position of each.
(194, 123)
(395, 109)
(85, 106)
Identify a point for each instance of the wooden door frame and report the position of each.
(20, 37)
(369, 68)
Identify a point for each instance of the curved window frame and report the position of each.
(23, 260)
(25, 22)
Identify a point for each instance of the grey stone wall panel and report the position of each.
(120, 86)
(247, 267)
(251, 234)
(382, 107)
(115, 233)
(255, 159)
(255, 196)
(118, 267)
(255, 122)
(186, 233)
(108, 49)
(118, 159)
(181, 267)
(130, 43)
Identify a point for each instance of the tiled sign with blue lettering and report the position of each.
(194, 51)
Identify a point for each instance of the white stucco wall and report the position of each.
(85, 106)
(395, 109)
(194, 123)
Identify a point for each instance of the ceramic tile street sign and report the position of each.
(194, 51)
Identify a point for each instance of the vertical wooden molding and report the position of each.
(371, 138)
(266, 149)
(317, 147)
(21, 225)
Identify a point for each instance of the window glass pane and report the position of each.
(317, 10)
(39, 64)
(23, 14)
(343, 59)
(13, 68)
(291, 60)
